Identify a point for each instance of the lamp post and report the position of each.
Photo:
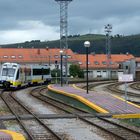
(87, 45)
(108, 30)
(61, 68)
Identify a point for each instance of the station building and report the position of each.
(29, 56)
(102, 68)
(137, 68)
(99, 66)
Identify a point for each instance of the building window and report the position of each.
(56, 56)
(20, 56)
(126, 67)
(69, 56)
(104, 62)
(96, 62)
(120, 66)
(57, 66)
(98, 73)
(5, 56)
(111, 63)
(80, 63)
(13, 56)
(64, 56)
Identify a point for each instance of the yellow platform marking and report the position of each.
(15, 136)
(121, 115)
(94, 106)
(37, 80)
(78, 87)
(126, 101)
(81, 99)
(126, 116)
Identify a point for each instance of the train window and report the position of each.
(27, 71)
(45, 71)
(4, 72)
(36, 72)
(8, 72)
(41, 71)
(126, 67)
(17, 77)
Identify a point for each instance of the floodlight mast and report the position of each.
(64, 31)
(108, 30)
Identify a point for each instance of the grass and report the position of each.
(89, 37)
(132, 122)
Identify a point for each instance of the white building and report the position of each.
(99, 66)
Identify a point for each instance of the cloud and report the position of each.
(30, 30)
(39, 19)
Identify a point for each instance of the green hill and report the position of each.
(119, 44)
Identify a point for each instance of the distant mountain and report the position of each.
(119, 44)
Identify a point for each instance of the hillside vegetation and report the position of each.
(119, 44)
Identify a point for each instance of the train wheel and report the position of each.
(6, 85)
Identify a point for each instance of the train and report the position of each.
(15, 75)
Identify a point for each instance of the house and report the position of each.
(137, 59)
(29, 56)
(99, 65)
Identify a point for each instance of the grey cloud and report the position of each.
(84, 15)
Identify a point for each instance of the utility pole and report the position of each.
(64, 32)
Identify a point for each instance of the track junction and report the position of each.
(25, 114)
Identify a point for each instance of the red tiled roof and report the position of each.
(32, 55)
(137, 59)
(101, 59)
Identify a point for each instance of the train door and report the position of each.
(21, 75)
(28, 75)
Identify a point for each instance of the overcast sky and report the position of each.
(22, 20)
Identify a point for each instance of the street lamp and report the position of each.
(61, 68)
(87, 45)
(108, 30)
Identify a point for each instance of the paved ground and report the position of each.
(102, 99)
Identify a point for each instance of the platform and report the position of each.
(99, 102)
(10, 135)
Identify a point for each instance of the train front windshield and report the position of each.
(8, 72)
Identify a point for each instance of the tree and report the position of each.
(75, 71)
(81, 74)
(55, 72)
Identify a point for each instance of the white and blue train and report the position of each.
(17, 75)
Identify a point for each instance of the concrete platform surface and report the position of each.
(102, 102)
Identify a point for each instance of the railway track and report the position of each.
(114, 88)
(57, 104)
(117, 130)
(45, 133)
(94, 84)
(135, 86)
